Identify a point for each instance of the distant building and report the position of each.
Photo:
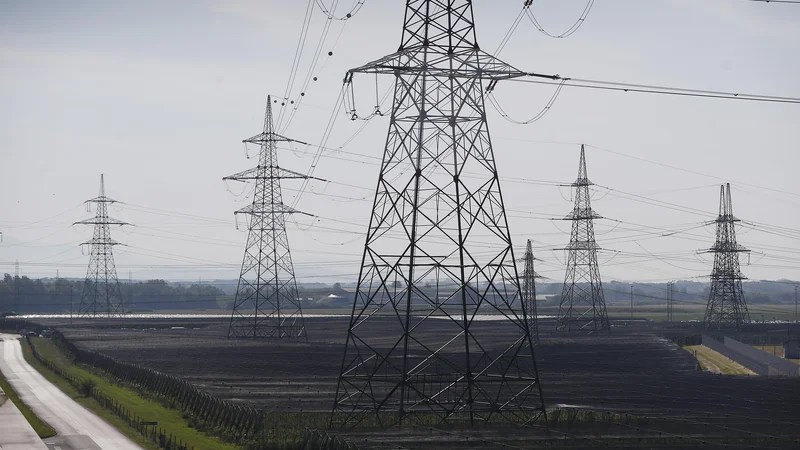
(791, 349)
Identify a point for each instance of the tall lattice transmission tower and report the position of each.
(101, 295)
(529, 277)
(583, 305)
(414, 352)
(266, 305)
(726, 306)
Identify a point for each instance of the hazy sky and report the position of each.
(158, 96)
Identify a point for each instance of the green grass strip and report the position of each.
(712, 361)
(40, 426)
(169, 419)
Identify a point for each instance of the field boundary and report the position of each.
(252, 428)
(160, 436)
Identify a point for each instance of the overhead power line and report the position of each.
(570, 31)
(651, 89)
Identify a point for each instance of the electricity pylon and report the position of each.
(438, 214)
(529, 277)
(583, 305)
(101, 295)
(726, 306)
(267, 305)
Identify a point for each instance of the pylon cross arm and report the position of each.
(257, 173)
(465, 63)
(267, 137)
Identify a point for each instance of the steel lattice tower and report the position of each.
(583, 305)
(529, 277)
(438, 215)
(266, 305)
(726, 306)
(101, 295)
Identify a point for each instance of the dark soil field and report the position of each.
(634, 371)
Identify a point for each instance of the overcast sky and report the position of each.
(158, 95)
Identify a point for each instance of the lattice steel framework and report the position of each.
(529, 277)
(267, 305)
(726, 305)
(101, 295)
(583, 305)
(438, 250)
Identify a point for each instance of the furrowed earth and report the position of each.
(634, 371)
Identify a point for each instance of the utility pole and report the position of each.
(17, 309)
(666, 298)
(70, 304)
(631, 301)
(583, 303)
(795, 304)
(671, 301)
(726, 305)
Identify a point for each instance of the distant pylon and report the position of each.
(266, 305)
(529, 277)
(583, 304)
(101, 294)
(438, 214)
(726, 305)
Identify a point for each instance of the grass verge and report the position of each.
(167, 418)
(40, 426)
(712, 361)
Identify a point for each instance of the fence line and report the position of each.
(243, 424)
(157, 436)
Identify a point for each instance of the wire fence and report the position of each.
(248, 426)
(163, 438)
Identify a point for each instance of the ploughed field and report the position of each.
(634, 371)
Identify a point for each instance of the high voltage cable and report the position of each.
(539, 115)
(298, 51)
(652, 89)
(357, 5)
(329, 13)
(314, 61)
(690, 170)
(570, 31)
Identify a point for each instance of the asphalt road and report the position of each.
(15, 431)
(77, 427)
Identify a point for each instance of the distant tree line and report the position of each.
(24, 295)
(755, 292)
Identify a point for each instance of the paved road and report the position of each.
(77, 427)
(15, 431)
